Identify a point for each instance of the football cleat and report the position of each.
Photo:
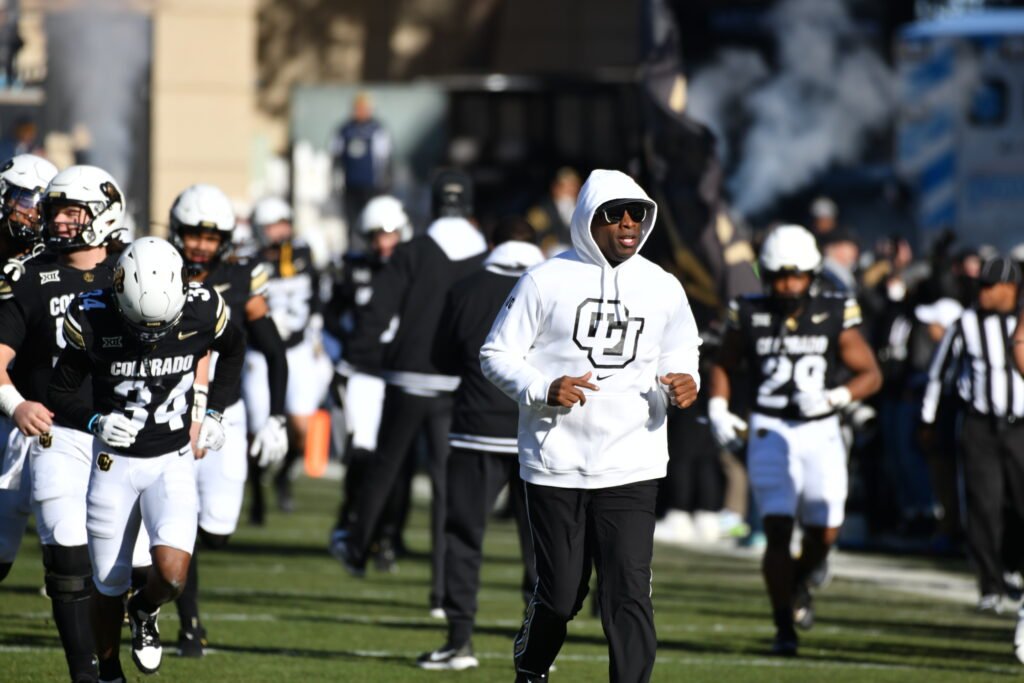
(803, 606)
(785, 643)
(147, 652)
(343, 553)
(448, 658)
(991, 602)
(192, 642)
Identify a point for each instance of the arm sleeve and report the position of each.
(445, 352)
(230, 344)
(946, 354)
(681, 342)
(364, 349)
(12, 324)
(72, 368)
(264, 338)
(503, 355)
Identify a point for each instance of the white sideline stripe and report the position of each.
(750, 662)
(389, 620)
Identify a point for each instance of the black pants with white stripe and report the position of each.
(994, 485)
(475, 478)
(613, 529)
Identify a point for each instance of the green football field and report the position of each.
(278, 608)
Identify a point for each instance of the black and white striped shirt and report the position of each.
(977, 353)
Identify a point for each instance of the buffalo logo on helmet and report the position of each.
(119, 280)
(111, 192)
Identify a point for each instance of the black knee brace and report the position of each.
(68, 572)
(213, 541)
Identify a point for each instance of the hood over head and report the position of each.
(604, 186)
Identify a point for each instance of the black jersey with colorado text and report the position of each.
(149, 383)
(32, 310)
(789, 355)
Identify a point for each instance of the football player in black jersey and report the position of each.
(794, 340)
(292, 294)
(82, 211)
(140, 341)
(22, 181)
(202, 220)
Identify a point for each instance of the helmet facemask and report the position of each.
(20, 216)
(178, 232)
(787, 304)
(87, 234)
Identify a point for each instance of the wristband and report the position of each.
(216, 415)
(199, 402)
(92, 422)
(9, 399)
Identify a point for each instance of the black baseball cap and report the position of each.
(999, 269)
(451, 194)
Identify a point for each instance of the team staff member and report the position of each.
(202, 222)
(976, 352)
(412, 287)
(594, 345)
(483, 438)
(140, 341)
(794, 340)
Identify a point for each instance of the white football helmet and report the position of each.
(94, 190)
(150, 288)
(268, 211)
(385, 213)
(790, 248)
(202, 208)
(22, 182)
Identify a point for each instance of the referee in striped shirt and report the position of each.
(977, 353)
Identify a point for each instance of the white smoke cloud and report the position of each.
(98, 56)
(827, 93)
(715, 90)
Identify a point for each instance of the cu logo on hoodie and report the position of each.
(605, 330)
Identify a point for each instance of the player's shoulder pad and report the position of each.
(74, 334)
(205, 308)
(77, 323)
(852, 315)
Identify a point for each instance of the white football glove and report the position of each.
(727, 427)
(211, 432)
(813, 404)
(270, 443)
(115, 430)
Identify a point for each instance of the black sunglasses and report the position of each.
(638, 212)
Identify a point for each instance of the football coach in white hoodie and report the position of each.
(595, 345)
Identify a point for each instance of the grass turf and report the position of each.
(278, 608)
